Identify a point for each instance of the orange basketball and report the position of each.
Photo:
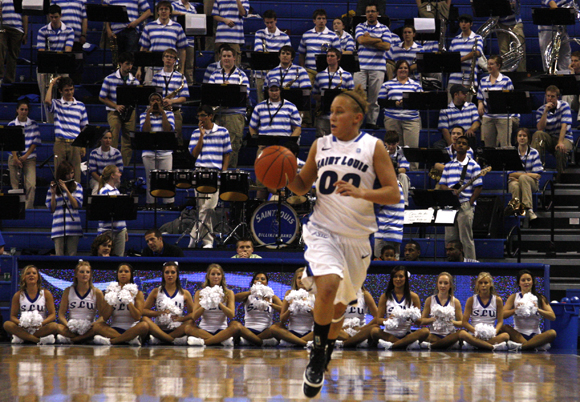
(273, 165)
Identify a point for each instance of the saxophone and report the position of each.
(442, 31)
(172, 94)
(114, 51)
(472, 89)
(289, 85)
(264, 47)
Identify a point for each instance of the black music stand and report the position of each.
(298, 96)
(348, 62)
(89, 137)
(106, 13)
(55, 63)
(12, 206)
(491, 8)
(503, 160)
(567, 83)
(326, 98)
(148, 59)
(445, 63)
(224, 95)
(11, 139)
(508, 102)
(430, 156)
(263, 60)
(425, 101)
(553, 16)
(113, 208)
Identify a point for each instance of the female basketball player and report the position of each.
(526, 330)
(398, 293)
(299, 330)
(125, 318)
(345, 166)
(213, 328)
(170, 290)
(484, 307)
(82, 300)
(444, 336)
(32, 297)
(259, 319)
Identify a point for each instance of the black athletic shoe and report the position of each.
(314, 373)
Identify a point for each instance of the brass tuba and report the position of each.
(471, 83)
(515, 54)
(515, 207)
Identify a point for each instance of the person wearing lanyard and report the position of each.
(290, 75)
(173, 88)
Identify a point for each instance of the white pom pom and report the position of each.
(527, 306)
(164, 320)
(132, 288)
(351, 331)
(167, 304)
(125, 296)
(351, 323)
(391, 324)
(444, 315)
(259, 303)
(484, 331)
(31, 321)
(261, 296)
(80, 327)
(112, 298)
(300, 301)
(211, 297)
(413, 314)
(113, 287)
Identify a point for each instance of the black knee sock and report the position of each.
(320, 335)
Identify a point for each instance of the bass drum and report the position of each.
(264, 224)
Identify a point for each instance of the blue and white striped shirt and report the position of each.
(453, 116)
(31, 135)
(157, 125)
(370, 58)
(273, 42)
(69, 118)
(209, 70)
(237, 77)
(395, 41)
(554, 120)
(99, 160)
(216, 144)
(170, 82)
(347, 43)
(134, 9)
(431, 46)
(294, 74)
(502, 83)
(73, 14)
(55, 40)
(112, 82)
(390, 220)
(157, 37)
(399, 160)
(453, 153)
(73, 227)
(409, 55)
(180, 8)
(275, 119)
(464, 46)
(229, 9)
(10, 17)
(106, 225)
(313, 43)
(531, 161)
(452, 174)
(393, 90)
(340, 79)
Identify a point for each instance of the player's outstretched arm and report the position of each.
(302, 183)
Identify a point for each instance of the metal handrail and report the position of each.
(509, 240)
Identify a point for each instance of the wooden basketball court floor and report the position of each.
(165, 373)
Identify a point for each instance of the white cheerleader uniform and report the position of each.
(300, 323)
(82, 307)
(213, 320)
(36, 304)
(359, 310)
(403, 329)
(178, 298)
(447, 329)
(484, 314)
(121, 317)
(526, 325)
(338, 230)
(257, 319)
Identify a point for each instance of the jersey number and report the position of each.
(328, 178)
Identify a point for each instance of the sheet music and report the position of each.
(195, 24)
(32, 4)
(446, 216)
(412, 216)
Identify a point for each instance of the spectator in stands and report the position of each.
(110, 180)
(23, 165)
(347, 43)
(102, 157)
(572, 100)
(407, 50)
(232, 118)
(126, 34)
(245, 249)
(554, 124)
(230, 28)
(546, 37)
(210, 145)
(120, 116)
(74, 16)
(15, 28)
(215, 65)
(454, 252)
(400, 163)
(333, 77)
(406, 122)
(173, 88)
(390, 226)
(361, 6)
(463, 43)
(64, 199)
(456, 132)
(460, 171)
(387, 254)
(163, 34)
(70, 117)
(459, 113)
(522, 184)
(184, 7)
(494, 127)
(434, 8)
(412, 251)
(290, 75)
(101, 246)
(374, 41)
(269, 39)
(157, 247)
(155, 118)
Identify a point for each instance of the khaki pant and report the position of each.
(260, 87)
(178, 125)
(116, 124)
(504, 41)
(543, 142)
(64, 151)
(523, 188)
(462, 230)
(29, 171)
(234, 123)
(429, 10)
(495, 132)
(209, 40)
(72, 244)
(189, 67)
(10, 42)
(408, 131)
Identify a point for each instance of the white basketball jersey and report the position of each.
(121, 317)
(527, 325)
(483, 314)
(405, 328)
(213, 320)
(81, 307)
(36, 304)
(448, 329)
(359, 310)
(257, 318)
(351, 161)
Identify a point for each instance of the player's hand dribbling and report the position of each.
(347, 189)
